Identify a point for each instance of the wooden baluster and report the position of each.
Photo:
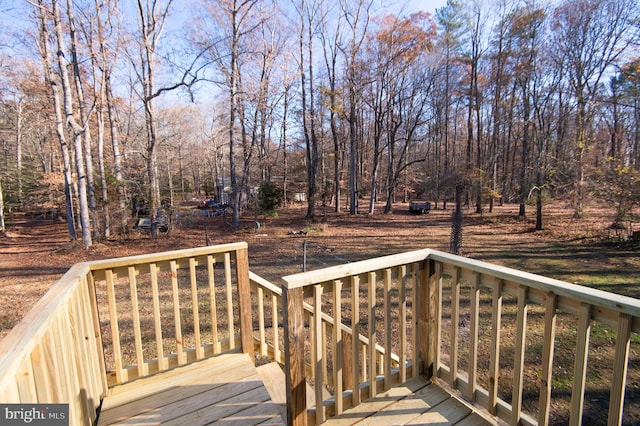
(327, 379)
(274, 325)
(319, 355)
(620, 364)
(211, 263)
(337, 345)
(415, 369)
(454, 331)
(97, 333)
(135, 314)
(261, 330)
(402, 322)
(195, 309)
(494, 361)
(89, 363)
(387, 328)
(229, 294)
(157, 320)
(474, 318)
(518, 361)
(372, 335)
(364, 350)
(113, 320)
(580, 370)
(435, 317)
(547, 357)
(176, 312)
(355, 339)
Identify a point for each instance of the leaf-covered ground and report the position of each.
(35, 252)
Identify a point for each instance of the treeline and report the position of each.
(113, 106)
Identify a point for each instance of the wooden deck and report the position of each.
(416, 402)
(146, 315)
(226, 389)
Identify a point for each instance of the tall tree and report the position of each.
(152, 17)
(500, 79)
(453, 30)
(235, 21)
(629, 86)
(330, 47)
(308, 13)
(400, 90)
(525, 35)
(59, 81)
(357, 18)
(476, 22)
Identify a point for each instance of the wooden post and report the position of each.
(244, 296)
(427, 320)
(294, 356)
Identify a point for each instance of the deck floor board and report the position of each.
(418, 401)
(224, 389)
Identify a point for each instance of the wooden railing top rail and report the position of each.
(580, 293)
(175, 255)
(592, 296)
(303, 279)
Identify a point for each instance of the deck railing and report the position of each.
(169, 309)
(490, 332)
(54, 355)
(108, 322)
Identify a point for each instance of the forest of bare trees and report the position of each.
(109, 107)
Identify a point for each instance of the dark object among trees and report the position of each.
(419, 207)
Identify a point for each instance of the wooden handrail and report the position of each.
(54, 355)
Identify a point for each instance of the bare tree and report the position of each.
(357, 18)
(450, 20)
(101, 32)
(330, 48)
(152, 18)
(525, 35)
(63, 104)
(308, 13)
(234, 21)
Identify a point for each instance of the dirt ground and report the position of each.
(35, 252)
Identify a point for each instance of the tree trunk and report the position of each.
(308, 115)
(524, 190)
(457, 222)
(539, 202)
(117, 157)
(44, 35)
(19, 150)
(76, 128)
(2, 225)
